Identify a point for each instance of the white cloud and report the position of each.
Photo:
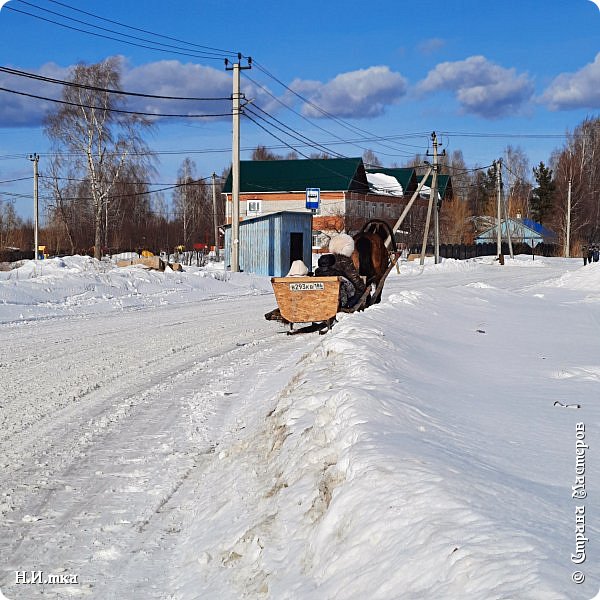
(176, 79)
(362, 93)
(481, 87)
(575, 90)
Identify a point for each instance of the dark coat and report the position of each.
(353, 286)
(348, 270)
(339, 265)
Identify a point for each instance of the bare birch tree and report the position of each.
(579, 161)
(100, 141)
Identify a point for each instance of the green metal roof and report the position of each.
(444, 183)
(331, 174)
(406, 177)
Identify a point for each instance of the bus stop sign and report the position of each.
(313, 197)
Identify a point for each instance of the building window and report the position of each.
(253, 207)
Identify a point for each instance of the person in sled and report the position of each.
(341, 248)
(327, 268)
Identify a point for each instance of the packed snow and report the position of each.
(161, 439)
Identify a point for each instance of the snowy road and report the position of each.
(94, 465)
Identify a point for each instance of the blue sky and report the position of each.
(482, 75)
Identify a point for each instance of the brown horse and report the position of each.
(371, 256)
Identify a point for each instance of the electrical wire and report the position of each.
(45, 79)
(14, 180)
(273, 135)
(323, 165)
(195, 54)
(352, 142)
(116, 110)
(199, 181)
(230, 52)
(291, 132)
(341, 122)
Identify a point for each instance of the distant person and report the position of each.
(596, 254)
(584, 254)
(590, 254)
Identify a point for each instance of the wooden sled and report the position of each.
(312, 300)
(315, 300)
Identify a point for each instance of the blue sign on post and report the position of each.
(313, 197)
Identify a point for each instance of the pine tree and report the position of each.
(542, 197)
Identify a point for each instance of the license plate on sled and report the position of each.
(307, 286)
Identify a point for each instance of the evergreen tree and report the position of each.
(542, 197)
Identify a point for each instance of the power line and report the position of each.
(198, 181)
(195, 54)
(14, 180)
(290, 131)
(376, 139)
(273, 135)
(115, 110)
(343, 123)
(36, 77)
(324, 165)
(110, 196)
(229, 52)
(505, 135)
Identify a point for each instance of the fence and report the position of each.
(462, 251)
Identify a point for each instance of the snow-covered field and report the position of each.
(160, 439)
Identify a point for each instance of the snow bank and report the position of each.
(585, 278)
(414, 452)
(82, 285)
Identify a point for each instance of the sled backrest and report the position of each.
(307, 299)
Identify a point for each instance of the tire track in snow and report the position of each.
(129, 440)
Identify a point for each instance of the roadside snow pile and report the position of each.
(585, 278)
(77, 283)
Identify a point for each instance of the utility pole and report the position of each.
(406, 210)
(506, 220)
(498, 167)
(434, 193)
(568, 236)
(235, 162)
(35, 159)
(215, 224)
(428, 219)
(426, 232)
(106, 223)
